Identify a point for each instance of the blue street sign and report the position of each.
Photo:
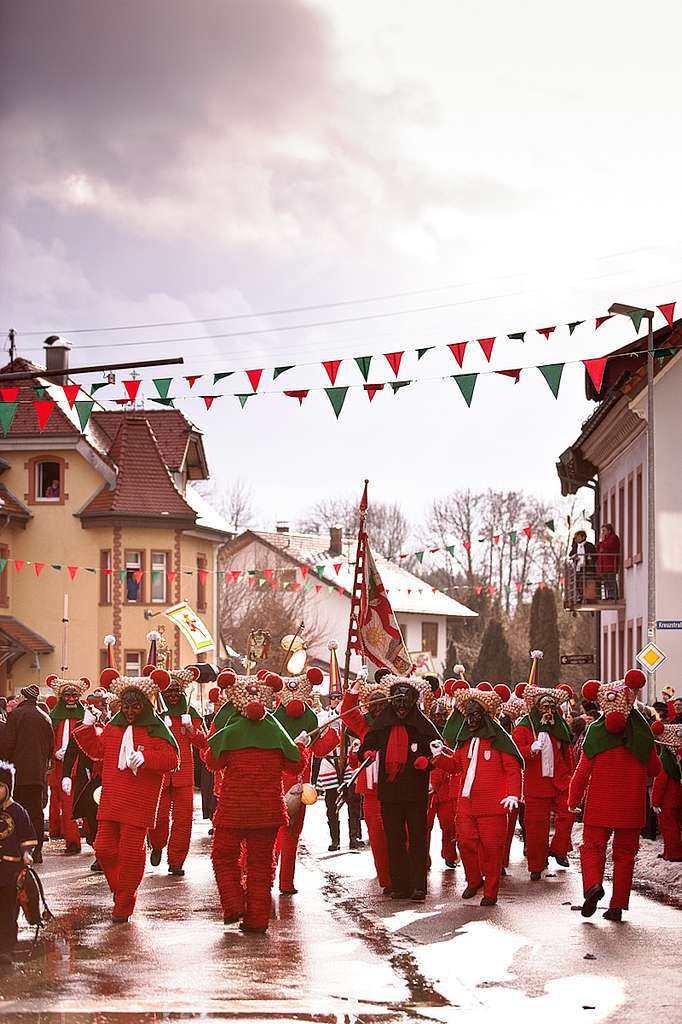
(669, 624)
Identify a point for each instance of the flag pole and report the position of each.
(352, 618)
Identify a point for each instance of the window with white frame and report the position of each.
(48, 481)
(158, 576)
(134, 569)
(133, 663)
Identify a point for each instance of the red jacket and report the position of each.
(357, 723)
(615, 782)
(252, 789)
(444, 787)
(666, 793)
(301, 771)
(498, 775)
(194, 736)
(608, 554)
(126, 797)
(534, 782)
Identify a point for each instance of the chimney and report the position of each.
(282, 527)
(57, 356)
(335, 541)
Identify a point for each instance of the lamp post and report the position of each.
(621, 309)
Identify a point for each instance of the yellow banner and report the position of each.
(191, 627)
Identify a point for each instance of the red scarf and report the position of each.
(396, 752)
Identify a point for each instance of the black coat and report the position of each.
(28, 742)
(75, 756)
(411, 784)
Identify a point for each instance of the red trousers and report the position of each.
(371, 809)
(537, 824)
(481, 839)
(121, 851)
(251, 897)
(512, 818)
(60, 821)
(181, 800)
(445, 812)
(670, 824)
(287, 845)
(593, 859)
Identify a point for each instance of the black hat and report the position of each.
(30, 692)
(7, 776)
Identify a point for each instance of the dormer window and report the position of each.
(46, 480)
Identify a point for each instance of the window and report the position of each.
(639, 506)
(630, 524)
(614, 655)
(605, 653)
(132, 663)
(134, 577)
(430, 637)
(158, 582)
(621, 650)
(612, 505)
(638, 635)
(630, 654)
(105, 576)
(4, 574)
(604, 512)
(202, 575)
(46, 480)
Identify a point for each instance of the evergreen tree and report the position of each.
(494, 661)
(543, 635)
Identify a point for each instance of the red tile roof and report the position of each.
(144, 485)
(10, 504)
(25, 422)
(24, 637)
(170, 427)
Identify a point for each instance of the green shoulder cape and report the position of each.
(670, 764)
(452, 727)
(60, 712)
(493, 731)
(637, 737)
(559, 728)
(241, 733)
(293, 726)
(224, 715)
(154, 725)
(179, 709)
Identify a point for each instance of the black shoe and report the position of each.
(471, 890)
(356, 844)
(288, 892)
(231, 918)
(592, 897)
(71, 850)
(333, 848)
(178, 872)
(418, 896)
(562, 861)
(96, 867)
(535, 876)
(38, 857)
(450, 864)
(119, 920)
(488, 901)
(155, 858)
(613, 914)
(210, 832)
(503, 872)
(401, 895)
(250, 930)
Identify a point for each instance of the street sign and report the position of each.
(669, 624)
(651, 657)
(577, 659)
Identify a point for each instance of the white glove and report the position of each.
(28, 859)
(656, 810)
(136, 760)
(66, 785)
(91, 716)
(186, 720)
(510, 803)
(536, 746)
(59, 754)
(355, 746)
(303, 739)
(436, 747)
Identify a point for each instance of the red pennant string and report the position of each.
(497, 539)
(19, 564)
(458, 350)
(372, 389)
(527, 530)
(72, 570)
(70, 393)
(478, 589)
(601, 320)
(38, 567)
(519, 588)
(515, 374)
(236, 573)
(209, 400)
(106, 572)
(44, 408)
(203, 575)
(491, 588)
(250, 581)
(274, 584)
(394, 360)
(254, 378)
(11, 394)
(596, 369)
(340, 590)
(121, 401)
(300, 395)
(668, 311)
(467, 545)
(546, 331)
(170, 575)
(137, 576)
(295, 586)
(487, 346)
(132, 387)
(332, 368)
(304, 571)
(267, 573)
(192, 379)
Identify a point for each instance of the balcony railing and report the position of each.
(587, 590)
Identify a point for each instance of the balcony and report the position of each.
(586, 590)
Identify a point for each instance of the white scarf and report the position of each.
(65, 738)
(127, 748)
(474, 744)
(547, 755)
(372, 774)
(580, 560)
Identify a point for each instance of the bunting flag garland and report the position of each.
(596, 369)
(209, 400)
(279, 370)
(458, 350)
(44, 408)
(550, 524)
(396, 385)
(70, 393)
(84, 410)
(637, 315)
(7, 413)
(19, 564)
(487, 346)
(572, 326)
(300, 395)
(243, 399)
(38, 567)
(668, 311)
(221, 376)
(546, 331)
(94, 388)
(332, 368)
(169, 403)
(515, 374)
(528, 531)
(72, 571)
(466, 382)
(9, 394)
(512, 536)
(254, 378)
(601, 320)
(519, 336)
(364, 363)
(192, 379)
(132, 387)
(552, 374)
(372, 389)
(422, 351)
(419, 555)
(3, 563)
(337, 396)
(162, 385)
(394, 359)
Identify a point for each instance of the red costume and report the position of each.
(666, 794)
(443, 806)
(65, 719)
(617, 761)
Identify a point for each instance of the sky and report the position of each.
(515, 166)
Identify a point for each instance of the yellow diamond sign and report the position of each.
(651, 657)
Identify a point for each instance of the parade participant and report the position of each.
(82, 777)
(544, 739)
(511, 711)
(296, 717)
(66, 716)
(666, 794)
(17, 842)
(489, 765)
(252, 753)
(372, 696)
(443, 797)
(456, 719)
(617, 760)
(177, 795)
(327, 777)
(27, 741)
(400, 736)
(136, 749)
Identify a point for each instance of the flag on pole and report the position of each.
(335, 688)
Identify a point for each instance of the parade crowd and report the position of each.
(400, 753)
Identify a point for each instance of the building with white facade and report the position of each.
(610, 455)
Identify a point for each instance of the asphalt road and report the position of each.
(339, 951)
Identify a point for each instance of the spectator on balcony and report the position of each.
(608, 561)
(582, 554)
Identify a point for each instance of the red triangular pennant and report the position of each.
(487, 346)
(254, 378)
(458, 350)
(274, 584)
(19, 564)
(11, 394)
(72, 571)
(595, 369)
(250, 581)
(132, 387)
(466, 545)
(497, 539)
(304, 571)
(546, 331)
(236, 573)
(336, 566)
(515, 374)
(38, 567)
(193, 378)
(668, 311)
(267, 573)
(137, 575)
(372, 389)
(70, 393)
(394, 360)
(203, 575)
(318, 588)
(300, 395)
(527, 530)
(209, 400)
(332, 368)
(43, 408)
(601, 320)
(170, 575)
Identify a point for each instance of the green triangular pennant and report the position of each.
(164, 401)
(7, 413)
(512, 536)
(337, 396)
(122, 573)
(84, 410)
(572, 327)
(518, 336)
(398, 384)
(40, 393)
(319, 569)
(637, 315)
(364, 363)
(422, 351)
(664, 353)
(552, 374)
(419, 555)
(221, 376)
(94, 388)
(3, 563)
(451, 549)
(549, 523)
(56, 567)
(466, 382)
(162, 385)
(280, 369)
(243, 399)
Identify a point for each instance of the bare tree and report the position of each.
(387, 527)
(235, 503)
(452, 522)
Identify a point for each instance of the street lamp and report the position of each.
(622, 309)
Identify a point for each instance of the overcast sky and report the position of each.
(515, 163)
